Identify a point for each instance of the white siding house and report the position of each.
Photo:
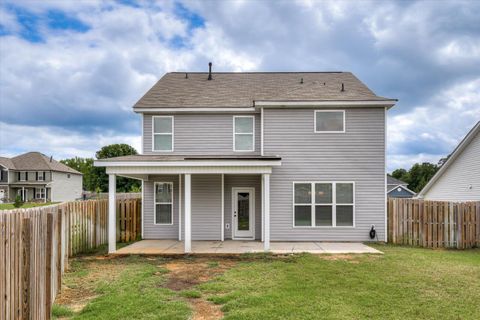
(459, 177)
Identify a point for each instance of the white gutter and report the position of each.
(201, 109)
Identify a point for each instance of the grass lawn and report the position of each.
(405, 283)
(9, 206)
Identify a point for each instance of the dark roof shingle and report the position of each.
(229, 89)
(36, 161)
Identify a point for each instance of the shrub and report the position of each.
(18, 202)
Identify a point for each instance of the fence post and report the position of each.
(48, 274)
(459, 224)
(59, 250)
(26, 267)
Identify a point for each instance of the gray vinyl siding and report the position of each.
(150, 229)
(200, 134)
(65, 186)
(357, 155)
(454, 184)
(206, 206)
(251, 181)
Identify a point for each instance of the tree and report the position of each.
(418, 175)
(101, 178)
(400, 174)
(85, 166)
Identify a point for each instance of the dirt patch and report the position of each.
(351, 258)
(204, 310)
(81, 290)
(185, 274)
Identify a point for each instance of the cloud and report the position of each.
(58, 142)
(79, 66)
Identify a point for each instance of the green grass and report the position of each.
(404, 283)
(59, 311)
(9, 206)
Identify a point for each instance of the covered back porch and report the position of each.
(198, 198)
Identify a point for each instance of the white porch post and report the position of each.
(112, 237)
(266, 214)
(188, 213)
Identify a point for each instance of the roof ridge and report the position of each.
(254, 72)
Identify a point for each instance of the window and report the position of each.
(331, 204)
(243, 133)
(329, 121)
(40, 176)
(22, 176)
(163, 202)
(162, 139)
(39, 193)
(68, 175)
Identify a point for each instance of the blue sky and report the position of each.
(70, 71)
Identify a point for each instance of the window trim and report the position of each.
(42, 191)
(42, 176)
(25, 176)
(164, 134)
(334, 204)
(155, 204)
(315, 121)
(253, 134)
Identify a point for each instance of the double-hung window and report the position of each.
(163, 202)
(243, 133)
(329, 121)
(40, 176)
(162, 137)
(323, 204)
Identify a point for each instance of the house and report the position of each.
(458, 179)
(36, 177)
(267, 156)
(398, 188)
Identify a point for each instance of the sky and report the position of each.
(70, 71)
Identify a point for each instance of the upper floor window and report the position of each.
(243, 133)
(40, 176)
(323, 204)
(22, 176)
(162, 133)
(329, 121)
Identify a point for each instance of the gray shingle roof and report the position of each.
(7, 163)
(174, 90)
(392, 180)
(36, 161)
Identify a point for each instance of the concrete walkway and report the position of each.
(228, 247)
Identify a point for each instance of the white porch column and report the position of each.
(188, 213)
(266, 214)
(112, 237)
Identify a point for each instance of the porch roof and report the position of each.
(172, 164)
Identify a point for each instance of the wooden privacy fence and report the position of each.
(35, 245)
(434, 224)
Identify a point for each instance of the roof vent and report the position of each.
(51, 158)
(186, 75)
(209, 71)
(301, 80)
(343, 87)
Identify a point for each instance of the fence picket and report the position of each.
(37, 243)
(434, 224)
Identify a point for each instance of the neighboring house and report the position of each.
(458, 179)
(270, 156)
(398, 188)
(34, 176)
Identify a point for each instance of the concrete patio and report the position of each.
(230, 247)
